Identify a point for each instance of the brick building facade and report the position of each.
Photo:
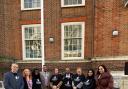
(99, 20)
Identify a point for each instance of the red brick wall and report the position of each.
(1, 26)
(110, 15)
(30, 17)
(10, 31)
(55, 15)
(11, 19)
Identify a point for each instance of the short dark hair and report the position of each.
(44, 65)
(92, 72)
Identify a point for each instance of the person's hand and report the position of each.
(74, 88)
(54, 87)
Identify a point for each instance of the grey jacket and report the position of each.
(12, 82)
(42, 76)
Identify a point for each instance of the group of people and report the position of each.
(67, 80)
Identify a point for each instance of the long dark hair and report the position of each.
(93, 75)
(105, 69)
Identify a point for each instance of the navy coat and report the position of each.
(13, 82)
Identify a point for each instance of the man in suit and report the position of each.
(45, 77)
(13, 79)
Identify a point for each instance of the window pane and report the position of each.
(34, 5)
(79, 42)
(27, 1)
(72, 2)
(79, 31)
(66, 2)
(26, 5)
(70, 32)
(75, 1)
(38, 4)
(75, 31)
(33, 49)
(79, 1)
(26, 33)
(31, 3)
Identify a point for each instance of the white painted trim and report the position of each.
(61, 61)
(31, 9)
(23, 43)
(117, 73)
(110, 58)
(62, 40)
(30, 59)
(22, 6)
(126, 3)
(62, 4)
(42, 32)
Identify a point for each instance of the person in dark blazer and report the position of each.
(13, 79)
(104, 79)
(90, 82)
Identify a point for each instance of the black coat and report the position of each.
(25, 84)
(89, 83)
(67, 81)
(55, 79)
(36, 82)
(78, 81)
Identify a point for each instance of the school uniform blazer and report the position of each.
(10, 82)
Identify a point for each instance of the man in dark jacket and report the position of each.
(13, 79)
(67, 79)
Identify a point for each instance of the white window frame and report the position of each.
(126, 3)
(23, 8)
(62, 40)
(23, 42)
(62, 4)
